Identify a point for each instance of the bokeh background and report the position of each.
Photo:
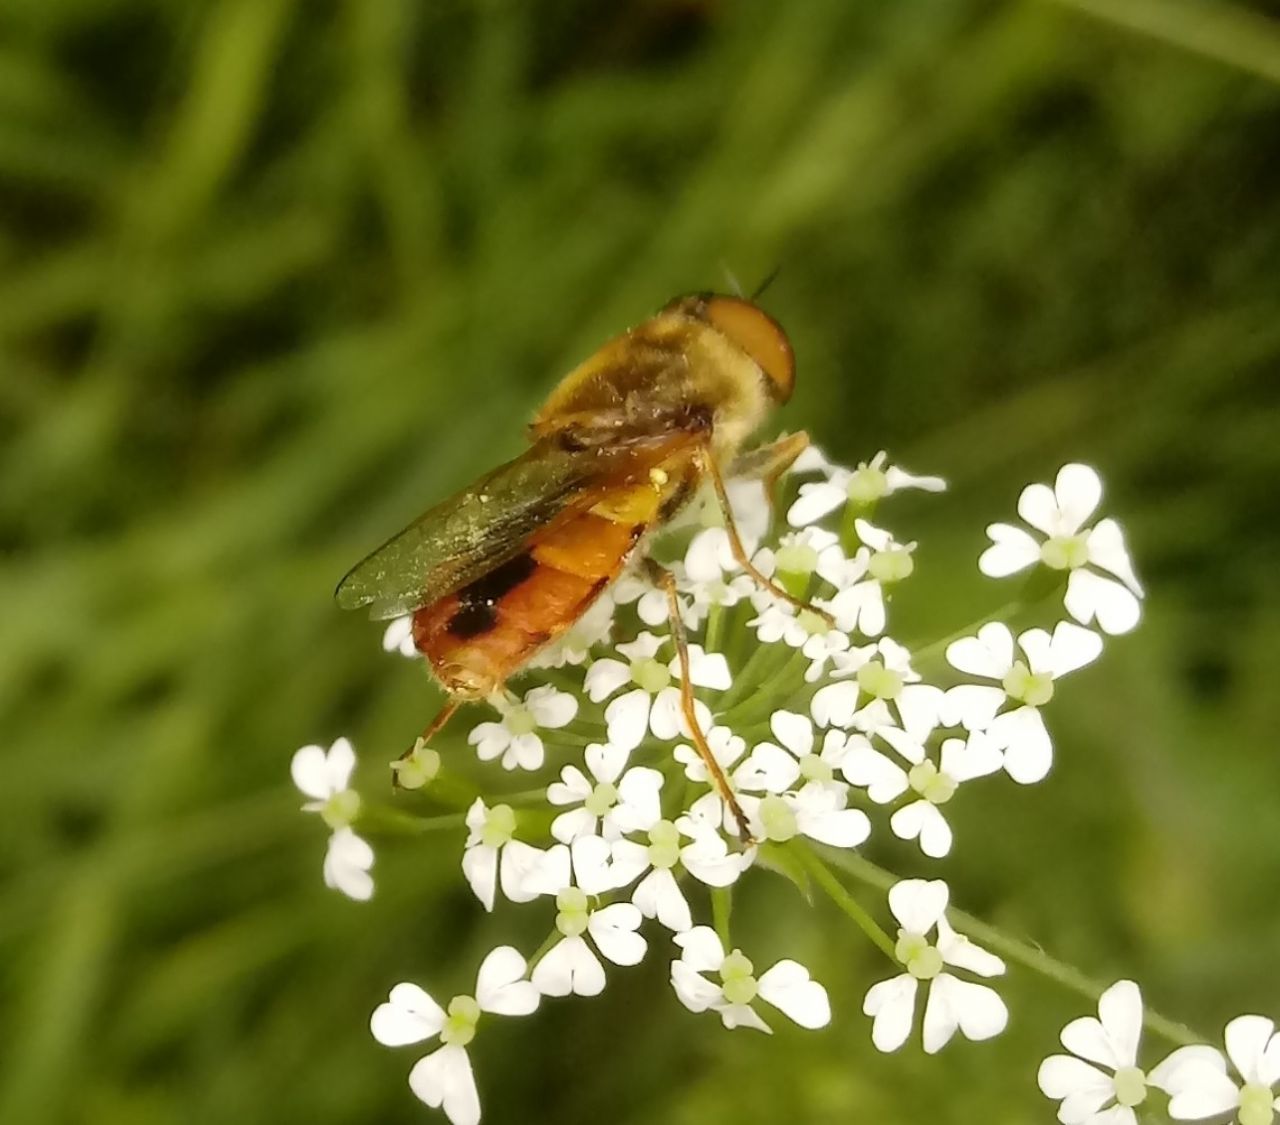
(274, 275)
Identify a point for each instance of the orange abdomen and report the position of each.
(477, 637)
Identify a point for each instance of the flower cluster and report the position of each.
(828, 729)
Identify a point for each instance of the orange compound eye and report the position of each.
(757, 334)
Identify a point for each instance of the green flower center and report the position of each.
(499, 826)
(1065, 552)
(664, 845)
(601, 799)
(460, 1021)
(797, 559)
(650, 675)
(921, 959)
(1256, 1104)
(739, 983)
(573, 912)
(341, 809)
(867, 485)
(519, 720)
(875, 679)
(812, 623)
(891, 566)
(1131, 1086)
(777, 819)
(1026, 686)
(813, 768)
(931, 783)
(418, 769)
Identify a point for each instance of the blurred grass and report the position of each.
(274, 275)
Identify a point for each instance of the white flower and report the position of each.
(346, 865)
(324, 776)
(959, 761)
(878, 673)
(515, 737)
(1103, 1084)
(709, 858)
(492, 854)
(1028, 684)
(974, 1009)
(571, 966)
(610, 800)
(398, 636)
(651, 602)
(726, 747)
(658, 894)
(862, 486)
(795, 627)
(1199, 1086)
(653, 703)
(751, 516)
(787, 986)
(573, 646)
(444, 1077)
(803, 796)
(881, 562)
(1060, 514)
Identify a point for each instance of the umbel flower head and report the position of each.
(592, 804)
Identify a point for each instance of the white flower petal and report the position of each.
(444, 1078)
(639, 805)
(1247, 1039)
(658, 895)
(550, 707)
(989, 654)
(627, 719)
(922, 819)
(1063, 1076)
(1023, 737)
(1039, 507)
(613, 929)
(975, 1009)
(500, 984)
(700, 949)
(1087, 1038)
(917, 904)
(821, 815)
(604, 677)
(693, 991)
(525, 752)
(768, 769)
(816, 499)
(606, 762)
(795, 732)
(572, 788)
(1077, 492)
(907, 746)
(891, 1004)
(1120, 1012)
(882, 778)
(920, 706)
(965, 759)
(789, 988)
(346, 865)
(706, 669)
(1181, 1069)
(1091, 596)
(1203, 1092)
(958, 950)
(408, 1016)
(835, 704)
(309, 768)
(1070, 648)
(1107, 550)
(1011, 550)
(480, 866)
(898, 479)
(490, 739)
(743, 1015)
(569, 966)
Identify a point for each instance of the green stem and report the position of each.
(715, 623)
(380, 820)
(835, 890)
(1024, 954)
(721, 912)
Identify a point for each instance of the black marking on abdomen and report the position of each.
(499, 581)
(472, 621)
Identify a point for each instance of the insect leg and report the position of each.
(430, 731)
(735, 542)
(666, 581)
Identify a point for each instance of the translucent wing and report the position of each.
(470, 534)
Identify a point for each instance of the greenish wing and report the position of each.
(475, 531)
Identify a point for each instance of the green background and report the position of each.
(275, 275)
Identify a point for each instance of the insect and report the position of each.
(619, 448)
